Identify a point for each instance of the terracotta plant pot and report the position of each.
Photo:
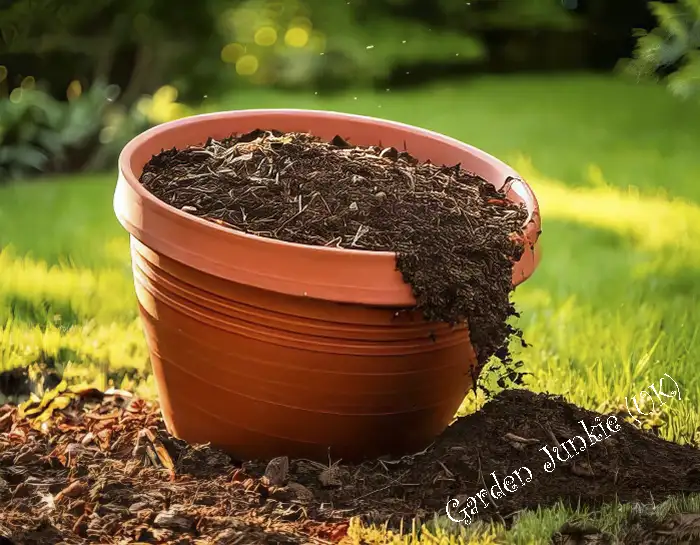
(268, 348)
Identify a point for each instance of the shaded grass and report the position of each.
(64, 220)
(614, 305)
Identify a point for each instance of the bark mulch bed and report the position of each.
(95, 468)
(456, 237)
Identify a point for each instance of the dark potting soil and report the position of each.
(455, 235)
(104, 470)
(508, 434)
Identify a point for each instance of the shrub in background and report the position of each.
(212, 44)
(40, 134)
(136, 44)
(292, 43)
(203, 48)
(671, 52)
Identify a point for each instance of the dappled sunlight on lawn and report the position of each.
(35, 292)
(439, 531)
(652, 222)
(91, 353)
(599, 333)
(116, 250)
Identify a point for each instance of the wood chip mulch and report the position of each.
(83, 466)
(100, 468)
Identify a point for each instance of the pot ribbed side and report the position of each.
(262, 374)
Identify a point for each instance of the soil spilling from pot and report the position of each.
(456, 237)
(91, 467)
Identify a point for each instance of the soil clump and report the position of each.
(93, 467)
(456, 237)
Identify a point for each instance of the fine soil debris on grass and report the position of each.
(456, 237)
(641, 527)
(90, 467)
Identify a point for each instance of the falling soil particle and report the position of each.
(456, 237)
(144, 485)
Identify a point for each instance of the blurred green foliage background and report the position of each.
(78, 79)
(203, 46)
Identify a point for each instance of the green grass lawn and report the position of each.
(614, 305)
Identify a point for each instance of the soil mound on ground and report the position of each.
(508, 434)
(90, 467)
(455, 235)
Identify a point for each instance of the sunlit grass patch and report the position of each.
(35, 292)
(101, 355)
(438, 532)
(119, 344)
(652, 222)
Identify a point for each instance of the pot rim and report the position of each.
(517, 183)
